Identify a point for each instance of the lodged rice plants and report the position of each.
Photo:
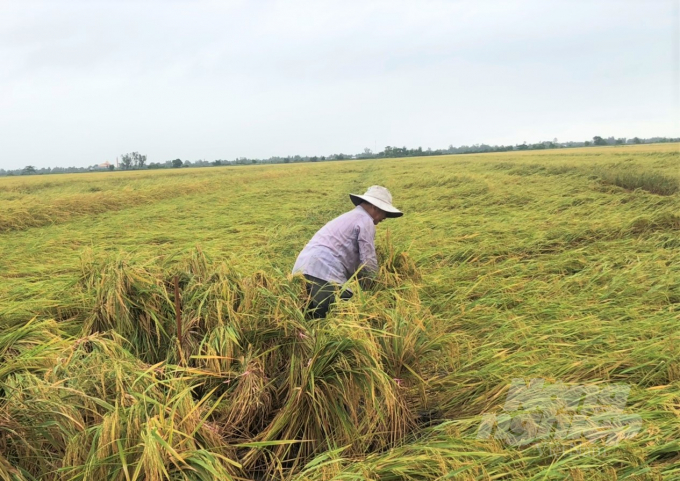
(102, 413)
(653, 182)
(250, 385)
(506, 268)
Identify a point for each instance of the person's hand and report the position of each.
(367, 282)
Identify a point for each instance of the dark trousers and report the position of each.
(321, 296)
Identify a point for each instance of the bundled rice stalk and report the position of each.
(415, 349)
(216, 360)
(137, 301)
(250, 402)
(29, 348)
(101, 413)
(337, 395)
(164, 438)
(101, 368)
(210, 292)
(49, 412)
(9, 472)
(130, 300)
(396, 266)
(38, 425)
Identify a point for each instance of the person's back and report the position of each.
(340, 247)
(344, 247)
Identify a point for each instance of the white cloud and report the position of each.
(83, 82)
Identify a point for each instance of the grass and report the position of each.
(509, 265)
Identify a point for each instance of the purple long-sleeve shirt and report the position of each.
(340, 247)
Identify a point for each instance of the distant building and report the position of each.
(104, 166)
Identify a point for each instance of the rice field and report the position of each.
(561, 266)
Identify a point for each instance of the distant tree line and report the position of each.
(135, 160)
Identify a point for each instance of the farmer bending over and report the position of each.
(343, 246)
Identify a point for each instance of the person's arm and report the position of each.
(367, 256)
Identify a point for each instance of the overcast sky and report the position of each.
(82, 82)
